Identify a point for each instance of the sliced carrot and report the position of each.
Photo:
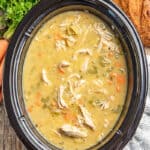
(118, 64)
(118, 89)
(38, 103)
(113, 75)
(110, 54)
(121, 79)
(80, 101)
(3, 48)
(109, 82)
(38, 95)
(30, 109)
(57, 36)
(69, 116)
(61, 71)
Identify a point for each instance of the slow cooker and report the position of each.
(135, 57)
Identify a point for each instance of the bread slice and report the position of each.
(125, 5)
(135, 12)
(118, 2)
(145, 23)
(139, 12)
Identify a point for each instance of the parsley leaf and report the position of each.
(13, 11)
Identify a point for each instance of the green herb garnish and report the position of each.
(13, 11)
(118, 109)
(93, 70)
(45, 100)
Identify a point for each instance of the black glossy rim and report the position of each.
(12, 61)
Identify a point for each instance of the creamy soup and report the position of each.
(74, 80)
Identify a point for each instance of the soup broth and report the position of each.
(74, 80)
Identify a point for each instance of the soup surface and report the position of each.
(74, 80)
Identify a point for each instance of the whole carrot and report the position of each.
(3, 48)
(1, 78)
(1, 71)
(1, 95)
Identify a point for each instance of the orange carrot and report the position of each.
(1, 96)
(61, 71)
(80, 101)
(57, 36)
(118, 64)
(1, 78)
(69, 116)
(120, 79)
(118, 88)
(38, 95)
(1, 71)
(109, 82)
(110, 54)
(29, 109)
(3, 48)
(113, 75)
(38, 103)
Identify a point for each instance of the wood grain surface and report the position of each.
(8, 138)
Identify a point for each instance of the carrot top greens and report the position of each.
(11, 13)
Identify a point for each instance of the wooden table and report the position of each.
(8, 138)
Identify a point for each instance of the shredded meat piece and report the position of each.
(73, 131)
(44, 77)
(85, 65)
(87, 117)
(63, 64)
(85, 51)
(60, 100)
